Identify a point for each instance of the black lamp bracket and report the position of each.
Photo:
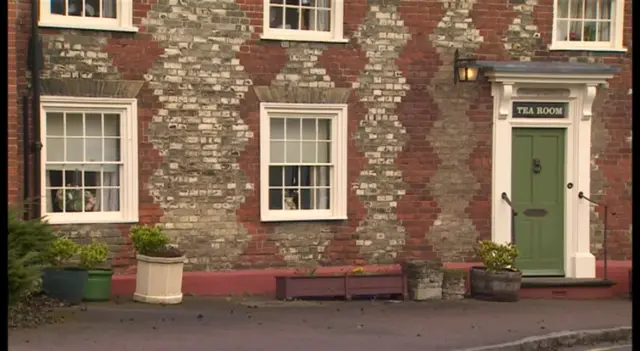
(457, 63)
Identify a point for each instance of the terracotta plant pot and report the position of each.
(159, 280)
(495, 286)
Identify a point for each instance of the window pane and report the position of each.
(306, 176)
(109, 8)
(322, 199)
(92, 179)
(275, 176)
(93, 124)
(323, 3)
(293, 128)
(605, 9)
(575, 31)
(324, 21)
(73, 178)
(73, 200)
(324, 152)
(54, 178)
(75, 7)
(309, 152)
(75, 147)
(322, 176)
(308, 19)
(591, 9)
(563, 8)
(110, 199)
(291, 200)
(604, 31)
(275, 199)
(324, 129)
(111, 177)
(292, 18)
(306, 199)
(576, 10)
(92, 8)
(590, 31)
(277, 152)
(55, 149)
(562, 28)
(277, 128)
(276, 1)
(309, 129)
(275, 17)
(58, 7)
(55, 124)
(74, 124)
(293, 151)
(291, 176)
(112, 125)
(92, 200)
(93, 151)
(293, 2)
(111, 149)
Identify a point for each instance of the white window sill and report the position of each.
(302, 38)
(57, 220)
(299, 218)
(89, 27)
(558, 47)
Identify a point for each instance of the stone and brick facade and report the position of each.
(419, 151)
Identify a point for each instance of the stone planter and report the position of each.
(424, 279)
(454, 284)
(496, 286)
(159, 280)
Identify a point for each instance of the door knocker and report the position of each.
(536, 166)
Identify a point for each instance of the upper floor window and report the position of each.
(588, 25)
(303, 20)
(89, 160)
(111, 15)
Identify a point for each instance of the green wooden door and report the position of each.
(538, 196)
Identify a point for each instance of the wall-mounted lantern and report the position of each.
(464, 69)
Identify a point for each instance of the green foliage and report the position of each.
(61, 251)
(496, 257)
(149, 240)
(27, 244)
(94, 254)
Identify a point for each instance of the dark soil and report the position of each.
(35, 310)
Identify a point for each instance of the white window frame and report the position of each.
(339, 138)
(617, 30)
(128, 109)
(335, 34)
(122, 23)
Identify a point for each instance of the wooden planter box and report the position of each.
(340, 286)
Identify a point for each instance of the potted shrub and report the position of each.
(498, 280)
(93, 258)
(63, 280)
(160, 266)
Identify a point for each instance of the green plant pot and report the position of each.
(98, 287)
(65, 284)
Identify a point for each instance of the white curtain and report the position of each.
(111, 200)
(320, 21)
(109, 8)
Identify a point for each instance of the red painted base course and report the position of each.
(262, 282)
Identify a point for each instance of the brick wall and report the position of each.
(421, 191)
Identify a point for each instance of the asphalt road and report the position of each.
(603, 347)
(220, 325)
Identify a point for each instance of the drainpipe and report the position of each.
(25, 157)
(36, 58)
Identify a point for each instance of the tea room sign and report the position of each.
(539, 109)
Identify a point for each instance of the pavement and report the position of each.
(238, 324)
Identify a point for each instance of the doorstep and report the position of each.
(566, 288)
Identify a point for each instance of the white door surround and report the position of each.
(579, 91)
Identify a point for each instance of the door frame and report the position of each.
(579, 92)
(565, 130)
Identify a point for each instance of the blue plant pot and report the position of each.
(65, 284)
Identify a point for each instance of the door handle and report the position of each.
(537, 167)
